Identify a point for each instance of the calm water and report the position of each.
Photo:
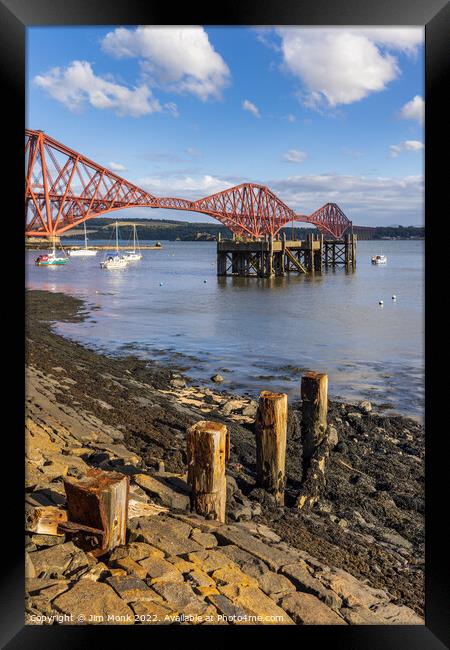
(260, 333)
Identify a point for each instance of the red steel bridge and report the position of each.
(63, 189)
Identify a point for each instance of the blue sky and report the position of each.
(318, 114)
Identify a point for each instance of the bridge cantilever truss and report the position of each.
(64, 188)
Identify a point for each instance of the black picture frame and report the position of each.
(15, 17)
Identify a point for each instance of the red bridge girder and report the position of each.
(64, 188)
(330, 220)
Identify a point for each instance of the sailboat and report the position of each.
(379, 259)
(51, 259)
(83, 252)
(115, 261)
(134, 256)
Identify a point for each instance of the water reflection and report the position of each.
(258, 330)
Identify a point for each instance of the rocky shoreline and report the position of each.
(356, 557)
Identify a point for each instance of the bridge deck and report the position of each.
(262, 245)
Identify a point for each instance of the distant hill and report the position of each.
(153, 230)
(399, 232)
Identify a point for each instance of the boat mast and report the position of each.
(117, 237)
(85, 235)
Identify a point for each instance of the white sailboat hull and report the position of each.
(134, 256)
(379, 259)
(117, 261)
(82, 252)
(114, 263)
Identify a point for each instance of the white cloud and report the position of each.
(294, 156)
(249, 106)
(414, 110)
(365, 200)
(342, 65)
(193, 152)
(406, 145)
(77, 86)
(179, 59)
(405, 39)
(116, 167)
(264, 36)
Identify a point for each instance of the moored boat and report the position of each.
(116, 260)
(134, 255)
(83, 252)
(379, 259)
(50, 259)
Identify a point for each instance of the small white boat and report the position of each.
(83, 252)
(134, 255)
(379, 259)
(114, 260)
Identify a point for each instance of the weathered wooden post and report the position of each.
(208, 448)
(271, 432)
(234, 262)
(221, 263)
(354, 240)
(314, 394)
(270, 257)
(283, 254)
(98, 510)
(319, 255)
(221, 258)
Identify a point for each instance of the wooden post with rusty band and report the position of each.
(271, 433)
(314, 395)
(98, 510)
(208, 449)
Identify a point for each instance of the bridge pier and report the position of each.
(340, 252)
(268, 257)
